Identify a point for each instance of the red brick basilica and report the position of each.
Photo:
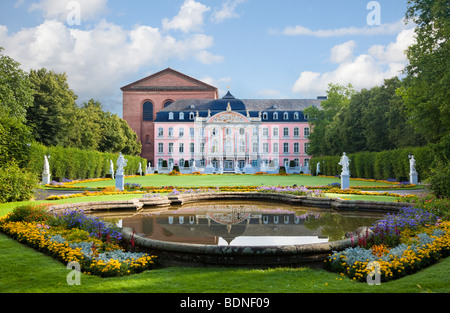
(143, 99)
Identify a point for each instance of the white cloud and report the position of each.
(383, 29)
(189, 17)
(227, 11)
(60, 9)
(342, 53)
(363, 71)
(98, 59)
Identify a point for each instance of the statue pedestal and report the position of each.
(345, 181)
(46, 179)
(413, 178)
(120, 182)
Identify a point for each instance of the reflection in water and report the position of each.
(245, 224)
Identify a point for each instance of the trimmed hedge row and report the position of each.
(390, 164)
(73, 163)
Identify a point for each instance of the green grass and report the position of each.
(33, 272)
(227, 180)
(25, 270)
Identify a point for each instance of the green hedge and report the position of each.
(73, 163)
(391, 164)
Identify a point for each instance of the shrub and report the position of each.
(16, 184)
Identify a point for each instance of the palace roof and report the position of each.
(253, 106)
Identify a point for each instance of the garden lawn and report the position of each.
(33, 272)
(227, 180)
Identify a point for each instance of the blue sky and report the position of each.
(257, 48)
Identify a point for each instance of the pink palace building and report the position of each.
(182, 122)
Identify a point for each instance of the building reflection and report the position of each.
(207, 226)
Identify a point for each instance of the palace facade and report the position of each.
(189, 127)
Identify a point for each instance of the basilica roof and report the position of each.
(253, 106)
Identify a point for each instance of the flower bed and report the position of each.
(74, 236)
(400, 244)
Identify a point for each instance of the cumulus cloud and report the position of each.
(362, 71)
(189, 17)
(98, 59)
(342, 53)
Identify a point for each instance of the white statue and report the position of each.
(46, 172)
(121, 163)
(46, 165)
(111, 168)
(140, 168)
(412, 165)
(345, 163)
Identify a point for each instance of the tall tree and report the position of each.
(16, 95)
(427, 81)
(52, 114)
(338, 97)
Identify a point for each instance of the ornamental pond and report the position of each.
(242, 232)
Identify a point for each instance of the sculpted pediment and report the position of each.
(228, 117)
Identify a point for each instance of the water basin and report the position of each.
(245, 223)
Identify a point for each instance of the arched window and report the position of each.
(167, 103)
(296, 116)
(286, 115)
(147, 111)
(265, 116)
(275, 115)
(181, 116)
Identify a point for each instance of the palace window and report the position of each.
(275, 115)
(286, 148)
(265, 147)
(275, 147)
(241, 146)
(160, 147)
(181, 147)
(215, 147)
(275, 131)
(147, 111)
(265, 116)
(160, 132)
(285, 115)
(286, 132)
(306, 132)
(181, 132)
(255, 147)
(296, 132)
(265, 132)
(191, 131)
(296, 148)
(170, 131)
(191, 115)
(181, 116)
(170, 147)
(296, 116)
(170, 115)
(191, 147)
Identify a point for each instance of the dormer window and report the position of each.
(191, 115)
(181, 116)
(192, 106)
(265, 116)
(170, 115)
(286, 115)
(296, 116)
(275, 115)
